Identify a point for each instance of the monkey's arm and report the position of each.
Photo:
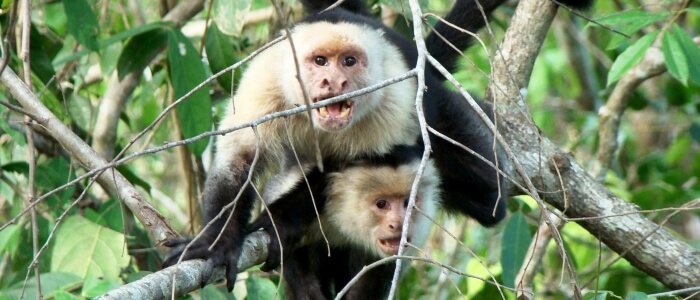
(292, 213)
(220, 243)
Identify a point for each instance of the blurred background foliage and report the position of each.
(78, 45)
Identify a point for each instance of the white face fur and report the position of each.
(366, 206)
(334, 59)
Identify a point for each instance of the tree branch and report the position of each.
(644, 244)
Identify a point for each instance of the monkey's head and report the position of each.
(335, 59)
(367, 205)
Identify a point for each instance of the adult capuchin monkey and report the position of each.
(340, 51)
(362, 206)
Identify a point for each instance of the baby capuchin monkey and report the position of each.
(362, 206)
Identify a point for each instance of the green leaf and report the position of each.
(516, 240)
(260, 288)
(9, 239)
(630, 57)
(220, 53)
(140, 50)
(629, 22)
(50, 283)
(675, 57)
(691, 51)
(88, 250)
(186, 72)
(82, 23)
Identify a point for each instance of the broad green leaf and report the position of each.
(630, 57)
(186, 72)
(50, 283)
(82, 23)
(220, 53)
(516, 240)
(88, 250)
(675, 57)
(260, 288)
(229, 16)
(140, 50)
(628, 22)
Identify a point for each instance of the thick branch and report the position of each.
(646, 246)
(186, 276)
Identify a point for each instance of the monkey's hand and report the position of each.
(225, 251)
(277, 243)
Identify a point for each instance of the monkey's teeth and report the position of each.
(323, 111)
(345, 108)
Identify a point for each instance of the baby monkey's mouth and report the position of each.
(390, 246)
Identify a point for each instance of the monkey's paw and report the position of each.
(225, 252)
(274, 252)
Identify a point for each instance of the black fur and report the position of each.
(308, 270)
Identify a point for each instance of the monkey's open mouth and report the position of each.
(335, 110)
(390, 246)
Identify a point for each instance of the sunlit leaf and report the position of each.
(86, 249)
(691, 51)
(630, 57)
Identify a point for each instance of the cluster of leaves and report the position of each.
(98, 246)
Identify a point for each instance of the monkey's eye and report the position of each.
(350, 61)
(405, 203)
(320, 60)
(381, 204)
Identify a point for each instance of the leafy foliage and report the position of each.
(78, 46)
